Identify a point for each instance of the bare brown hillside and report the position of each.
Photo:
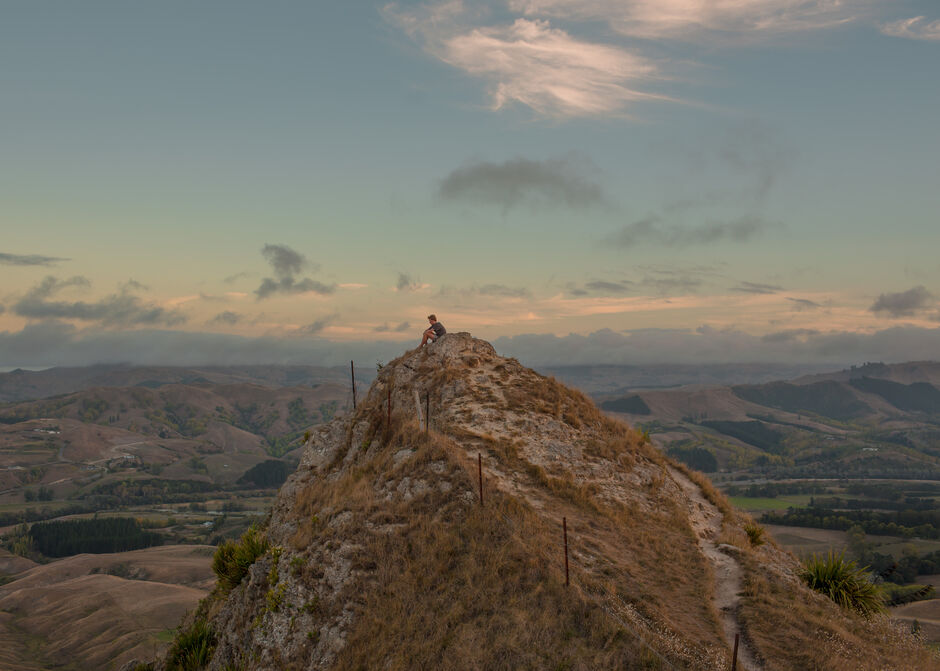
(381, 554)
(99, 611)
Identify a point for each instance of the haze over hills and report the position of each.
(21, 385)
(384, 546)
(874, 420)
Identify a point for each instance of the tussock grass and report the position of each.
(793, 628)
(843, 582)
(232, 559)
(192, 648)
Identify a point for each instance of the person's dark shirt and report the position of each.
(438, 329)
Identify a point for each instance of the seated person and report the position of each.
(434, 332)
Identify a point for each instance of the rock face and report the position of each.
(382, 555)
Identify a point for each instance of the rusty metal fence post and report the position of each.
(564, 527)
(734, 655)
(352, 373)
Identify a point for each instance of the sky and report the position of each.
(601, 181)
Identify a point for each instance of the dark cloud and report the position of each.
(2, 309)
(756, 288)
(385, 328)
(407, 283)
(228, 317)
(801, 304)
(286, 264)
(288, 285)
(606, 287)
(29, 260)
(284, 261)
(318, 325)
(121, 309)
(552, 182)
(653, 231)
(905, 303)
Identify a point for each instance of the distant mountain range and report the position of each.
(22, 385)
(610, 379)
(875, 420)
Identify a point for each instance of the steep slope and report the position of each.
(383, 556)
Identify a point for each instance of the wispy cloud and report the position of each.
(530, 62)
(756, 288)
(550, 182)
(228, 317)
(29, 260)
(654, 231)
(287, 264)
(917, 28)
(120, 309)
(727, 20)
(385, 328)
(801, 304)
(318, 325)
(905, 303)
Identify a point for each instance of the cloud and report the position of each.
(652, 231)
(121, 309)
(228, 317)
(676, 346)
(318, 325)
(286, 264)
(231, 279)
(551, 182)
(696, 20)
(789, 334)
(2, 309)
(905, 303)
(606, 287)
(532, 63)
(407, 283)
(917, 28)
(801, 304)
(54, 343)
(502, 291)
(29, 260)
(385, 328)
(756, 288)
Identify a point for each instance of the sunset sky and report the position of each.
(600, 181)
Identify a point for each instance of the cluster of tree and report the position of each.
(42, 494)
(151, 490)
(908, 503)
(885, 566)
(753, 433)
(694, 457)
(906, 523)
(828, 398)
(633, 405)
(100, 535)
(270, 473)
(917, 397)
(772, 490)
(33, 515)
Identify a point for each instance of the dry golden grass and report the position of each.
(813, 633)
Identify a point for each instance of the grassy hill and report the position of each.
(846, 424)
(381, 551)
(99, 611)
